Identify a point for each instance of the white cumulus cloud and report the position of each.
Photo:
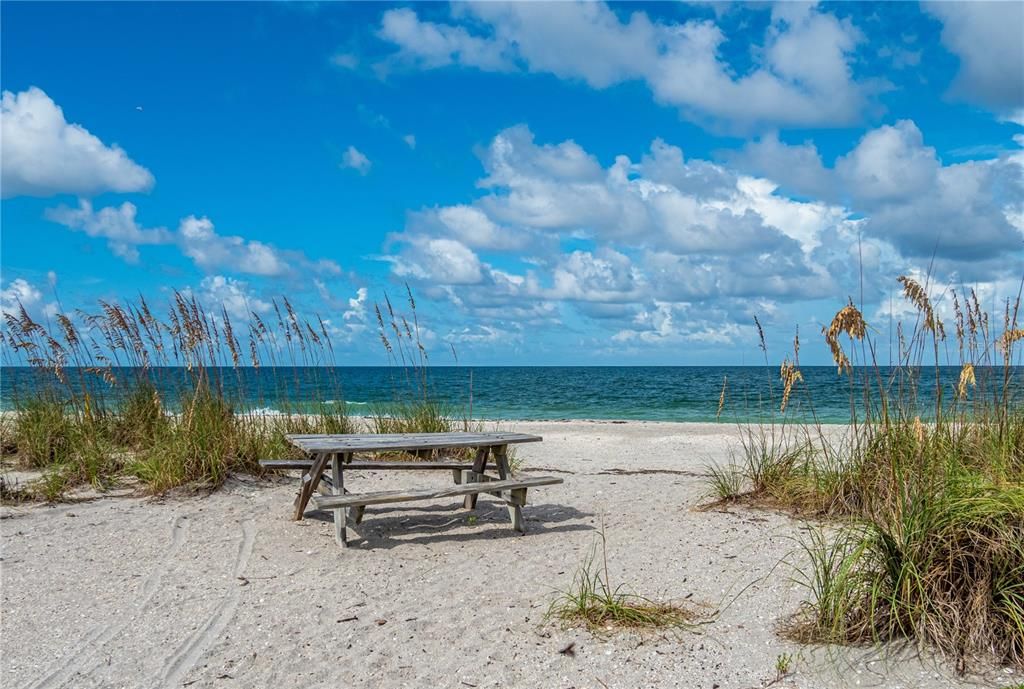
(968, 215)
(196, 238)
(20, 293)
(669, 249)
(44, 154)
(988, 37)
(681, 63)
(235, 296)
(116, 224)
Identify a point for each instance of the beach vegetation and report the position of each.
(414, 406)
(183, 398)
(594, 603)
(726, 482)
(122, 394)
(783, 666)
(924, 501)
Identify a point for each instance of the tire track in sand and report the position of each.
(100, 635)
(192, 649)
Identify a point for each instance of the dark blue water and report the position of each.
(688, 393)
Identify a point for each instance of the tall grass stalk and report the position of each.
(414, 407)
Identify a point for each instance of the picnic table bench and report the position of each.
(337, 452)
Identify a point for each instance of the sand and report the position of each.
(226, 591)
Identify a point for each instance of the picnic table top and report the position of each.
(382, 442)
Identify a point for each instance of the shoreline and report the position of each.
(4, 413)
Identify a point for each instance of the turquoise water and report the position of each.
(663, 393)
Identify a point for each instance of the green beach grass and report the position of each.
(87, 425)
(926, 538)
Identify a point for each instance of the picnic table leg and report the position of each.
(479, 464)
(338, 488)
(309, 484)
(516, 497)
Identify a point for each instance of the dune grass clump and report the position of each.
(947, 571)
(122, 393)
(592, 602)
(95, 414)
(40, 432)
(930, 544)
(726, 482)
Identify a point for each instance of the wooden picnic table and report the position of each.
(471, 479)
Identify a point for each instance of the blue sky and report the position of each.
(558, 183)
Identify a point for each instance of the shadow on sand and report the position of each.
(389, 527)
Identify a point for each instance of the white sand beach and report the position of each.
(226, 591)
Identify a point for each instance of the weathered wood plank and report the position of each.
(517, 496)
(371, 465)
(515, 513)
(286, 463)
(309, 484)
(517, 500)
(340, 515)
(479, 463)
(500, 453)
(388, 496)
(469, 477)
(372, 442)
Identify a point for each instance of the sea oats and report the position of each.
(959, 322)
(966, 380)
(229, 335)
(760, 335)
(850, 321)
(790, 376)
(918, 296)
(1009, 337)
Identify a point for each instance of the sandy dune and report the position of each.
(226, 591)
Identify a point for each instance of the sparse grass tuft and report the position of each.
(726, 482)
(772, 457)
(593, 602)
(783, 666)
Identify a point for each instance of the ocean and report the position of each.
(655, 393)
